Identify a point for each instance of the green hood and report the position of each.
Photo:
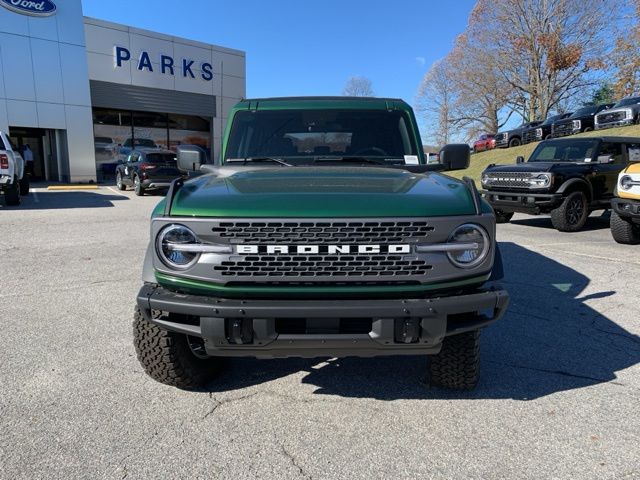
(322, 192)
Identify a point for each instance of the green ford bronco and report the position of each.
(320, 232)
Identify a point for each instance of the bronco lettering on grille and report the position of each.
(321, 249)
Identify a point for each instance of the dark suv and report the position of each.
(568, 178)
(542, 131)
(513, 137)
(147, 169)
(582, 120)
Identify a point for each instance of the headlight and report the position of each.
(474, 246)
(626, 182)
(168, 244)
(538, 133)
(577, 124)
(484, 179)
(540, 181)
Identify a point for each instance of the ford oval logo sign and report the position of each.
(36, 8)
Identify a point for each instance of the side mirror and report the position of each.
(190, 157)
(605, 159)
(519, 159)
(455, 156)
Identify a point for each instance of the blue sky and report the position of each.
(309, 48)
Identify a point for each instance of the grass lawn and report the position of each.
(502, 156)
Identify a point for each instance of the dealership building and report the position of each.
(82, 92)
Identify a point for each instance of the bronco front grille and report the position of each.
(509, 180)
(322, 265)
(293, 233)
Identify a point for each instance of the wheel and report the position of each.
(572, 214)
(623, 231)
(587, 129)
(172, 358)
(137, 186)
(12, 193)
(119, 184)
(24, 185)
(548, 136)
(515, 142)
(457, 366)
(503, 217)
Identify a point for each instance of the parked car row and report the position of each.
(569, 178)
(586, 119)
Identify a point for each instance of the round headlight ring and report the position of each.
(174, 259)
(626, 182)
(462, 234)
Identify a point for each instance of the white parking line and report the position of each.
(117, 192)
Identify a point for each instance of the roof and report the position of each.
(323, 102)
(152, 150)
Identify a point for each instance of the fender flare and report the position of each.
(576, 182)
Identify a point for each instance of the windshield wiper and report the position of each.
(352, 158)
(258, 159)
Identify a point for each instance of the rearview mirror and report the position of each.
(519, 159)
(190, 157)
(455, 156)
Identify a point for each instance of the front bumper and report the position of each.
(398, 327)
(524, 202)
(619, 123)
(627, 208)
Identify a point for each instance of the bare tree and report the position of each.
(626, 56)
(436, 102)
(546, 50)
(358, 87)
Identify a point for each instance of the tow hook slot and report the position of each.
(239, 330)
(407, 330)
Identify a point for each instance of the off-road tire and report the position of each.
(515, 142)
(12, 194)
(572, 214)
(167, 358)
(24, 185)
(624, 231)
(119, 184)
(137, 186)
(503, 217)
(457, 366)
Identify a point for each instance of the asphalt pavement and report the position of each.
(559, 393)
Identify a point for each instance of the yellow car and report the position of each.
(625, 217)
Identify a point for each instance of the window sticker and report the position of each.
(411, 160)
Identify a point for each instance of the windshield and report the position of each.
(161, 157)
(304, 135)
(627, 101)
(103, 140)
(550, 120)
(564, 151)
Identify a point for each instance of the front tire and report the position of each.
(515, 142)
(623, 231)
(588, 129)
(503, 217)
(12, 194)
(457, 366)
(168, 358)
(572, 214)
(119, 184)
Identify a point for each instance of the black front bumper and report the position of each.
(627, 208)
(409, 327)
(524, 202)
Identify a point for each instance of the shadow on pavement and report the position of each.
(595, 221)
(65, 200)
(549, 341)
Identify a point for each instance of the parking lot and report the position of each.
(558, 395)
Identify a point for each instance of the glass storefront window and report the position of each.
(117, 132)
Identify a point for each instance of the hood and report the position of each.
(322, 192)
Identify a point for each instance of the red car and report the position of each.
(485, 142)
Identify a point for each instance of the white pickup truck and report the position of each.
(14, 181)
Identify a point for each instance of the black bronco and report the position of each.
(568, 178)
